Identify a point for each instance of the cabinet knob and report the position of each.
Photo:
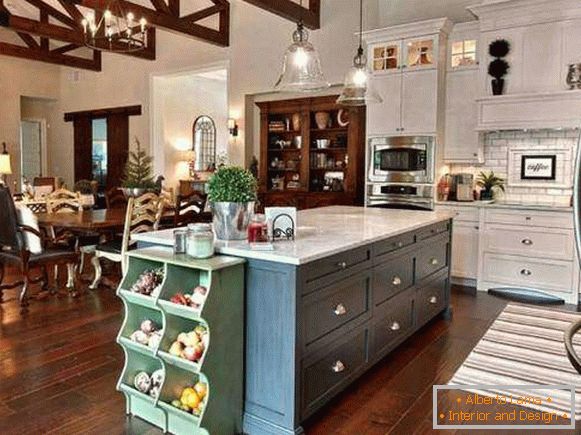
(528, 218)
(396, 280)
(342, 265)
(395, 326)
(434, 261)
(526, 272)
(340, 310)
(476, 227)
(399, 244)
(338, 367)
(433, 300)
(475, 154)
(527, 242)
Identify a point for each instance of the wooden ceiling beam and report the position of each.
(13, 50)
(65, 48)
(204, 13)
(174, 7)
(292, 11)
(29, 40)
(55, 13)
(71, 10)
(161, 6)
(169, 21)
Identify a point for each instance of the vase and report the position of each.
(231, 219)
(497, 86)
(133, 192)
(322, 120)
(296, 121)
(486, 195)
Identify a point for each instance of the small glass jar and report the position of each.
(200, 241)
(180, 241)
(258, 229)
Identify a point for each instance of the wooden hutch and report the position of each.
(312, 153)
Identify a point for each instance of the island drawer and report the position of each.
(432, 230)
(336, 305)
(431, 299)
(392, 276)
(393, 244)
(324, 376)
(432, 257)
(395, 321)
(332, 268)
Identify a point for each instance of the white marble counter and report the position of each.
(515, 205)
(323, 232)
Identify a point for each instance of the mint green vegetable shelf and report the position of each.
(221, 366)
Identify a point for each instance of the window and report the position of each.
(463, 53)
(386, 57)
(205, 143)
(99, 151)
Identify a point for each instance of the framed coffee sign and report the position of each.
(538, 167)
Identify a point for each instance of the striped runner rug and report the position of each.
(525, 346)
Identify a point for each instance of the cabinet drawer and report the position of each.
(462, 213)
(431, 299)
(393, 324)
(327, 374)
(336, 266)
(393, 276)
(531, 241)
(551, 219)
(393, 244)
(336, 305)
(432, 258)
(507, 270)
(433, 230)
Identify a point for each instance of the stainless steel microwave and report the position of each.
(409, 159)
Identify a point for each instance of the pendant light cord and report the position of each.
(360, 49)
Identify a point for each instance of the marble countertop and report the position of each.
(515, 205)
(323, 232)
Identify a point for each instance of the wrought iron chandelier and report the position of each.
(115, 30)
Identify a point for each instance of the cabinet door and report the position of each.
(462, 140)
(419, 102)
(541, 58)
(385, 118)
(421, 53)
(386, 57)
(465, 250)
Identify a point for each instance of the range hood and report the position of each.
(529, 111)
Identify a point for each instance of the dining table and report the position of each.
(89, 220)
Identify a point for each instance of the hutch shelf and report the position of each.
(312, 153)
(220, 366)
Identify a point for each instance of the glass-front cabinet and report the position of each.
(386, 57)
(463, 53)
(420, 53)
(411, 54)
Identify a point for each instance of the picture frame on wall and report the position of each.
(538, 167)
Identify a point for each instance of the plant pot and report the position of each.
(486, 195)
(296, 121)
(231, 219)
(133, 192)
(497, 86)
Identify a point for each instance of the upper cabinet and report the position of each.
(408, 67)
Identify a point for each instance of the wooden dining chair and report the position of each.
(114, 198)
(15, 251)
(44, 181)
(143, 214)
(190, 209)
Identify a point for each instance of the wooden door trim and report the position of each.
(104, 113)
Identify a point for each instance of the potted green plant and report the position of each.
(138, 173)
(489, 183)
(232, 195)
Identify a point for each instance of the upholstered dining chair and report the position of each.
(190, 208)
(23, 247)
(143, 214)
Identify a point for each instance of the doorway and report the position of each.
(32, 148)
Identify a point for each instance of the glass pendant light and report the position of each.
(357, 89)
(301, 68)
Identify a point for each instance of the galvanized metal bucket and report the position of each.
(231, 219)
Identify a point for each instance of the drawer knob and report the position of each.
(526, 272)
(433, 300)
(527, 242)
(396, 280)
(528, 218)
(342, 265)
(395, 326)
(399, 244)
(340, 310)
(434, 261)
(338, 367)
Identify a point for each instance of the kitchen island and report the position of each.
(323, 309)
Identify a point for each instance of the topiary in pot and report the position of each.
(232, 194)
(499, 48)
(498, 67)
(138, 173)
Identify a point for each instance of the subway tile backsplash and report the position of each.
(502, 153)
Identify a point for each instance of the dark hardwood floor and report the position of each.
(59, 366)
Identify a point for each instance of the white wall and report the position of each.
(178, 101)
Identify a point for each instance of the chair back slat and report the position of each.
(9, 228)
(64, 201)
(189, 209)
(143, 215)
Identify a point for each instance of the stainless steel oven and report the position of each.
(408, 159)
(407, 196)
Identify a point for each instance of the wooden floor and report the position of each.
(59, 365)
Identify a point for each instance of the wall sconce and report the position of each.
(233, 127)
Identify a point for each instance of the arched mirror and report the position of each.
(204, 143)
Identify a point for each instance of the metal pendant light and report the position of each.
(357, 88)
(301, 68)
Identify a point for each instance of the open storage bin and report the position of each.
(221, 365)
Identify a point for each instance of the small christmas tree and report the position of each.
(138, 172)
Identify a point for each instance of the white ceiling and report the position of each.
(406, 11)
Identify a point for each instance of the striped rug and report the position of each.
(524, 346)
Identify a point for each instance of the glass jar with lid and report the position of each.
(200, 241)
(258, 229)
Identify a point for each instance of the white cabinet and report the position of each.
(462, 142)
(419, 102)
(384, 119)
(465, 250)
